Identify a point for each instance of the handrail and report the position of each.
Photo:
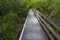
(45, 20)
(53, 22)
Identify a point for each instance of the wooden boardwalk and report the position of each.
(33, 30)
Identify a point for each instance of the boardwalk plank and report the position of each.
(33, 30)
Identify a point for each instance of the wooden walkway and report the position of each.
(33, 30)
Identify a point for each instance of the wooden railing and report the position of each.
(51, 27)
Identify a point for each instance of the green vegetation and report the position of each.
(13, 14)
(12, 17)
(49, 7)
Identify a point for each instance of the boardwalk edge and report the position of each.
(23, 29)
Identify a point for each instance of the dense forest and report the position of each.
(14, 12)
(12, 17)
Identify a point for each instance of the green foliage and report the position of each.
(12, 17)
(49, 7)
(14, 12)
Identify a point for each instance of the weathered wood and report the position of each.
(32, 29)
(51, 29)
(50, 20)
(46, 30)
(46, 25)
